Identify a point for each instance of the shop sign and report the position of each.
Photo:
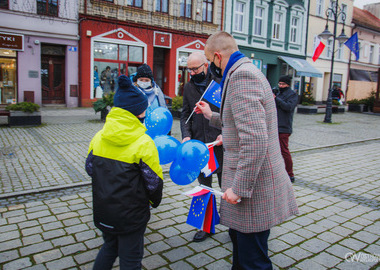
(33, 74)
(163, 40)
(73, 49)
(257, 63)
(11, 41)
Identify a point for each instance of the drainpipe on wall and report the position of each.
(222, 17)
(80, 63)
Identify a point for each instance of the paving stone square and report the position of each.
(46, 200)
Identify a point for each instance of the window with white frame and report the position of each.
(278, 21)
(344, 10)
(259, 19)
(239, 16)
(371, 53)
(320, 8)
(294, 26)
(339, 51)
(329, 48)
(331, 15)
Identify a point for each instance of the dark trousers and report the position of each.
(284, 144)
(207, 181)
(128, 247)
(250, 250)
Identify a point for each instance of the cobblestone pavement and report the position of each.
(46, 214)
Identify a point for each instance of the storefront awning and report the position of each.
(302, 67)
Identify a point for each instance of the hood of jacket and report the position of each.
(122, 127)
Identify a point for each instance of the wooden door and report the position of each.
(53, 79)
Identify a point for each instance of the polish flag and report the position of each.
(318, 49)
(212, 164)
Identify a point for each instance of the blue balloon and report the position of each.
(180, 176)
(192, 155)
(167, 148)
(158, 122)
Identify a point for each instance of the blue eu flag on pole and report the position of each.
(353, 44)
(213, 93)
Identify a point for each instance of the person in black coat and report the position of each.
(198, 127)
(286, 102)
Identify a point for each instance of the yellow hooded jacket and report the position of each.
(126, 175)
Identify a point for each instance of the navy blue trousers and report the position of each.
(250, 250)
(128, 247)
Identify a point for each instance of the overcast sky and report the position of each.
(361, 3)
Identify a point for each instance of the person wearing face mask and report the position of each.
(144, 81)
(198, 127)
(257, 192)
(127, 179)
(286, 102)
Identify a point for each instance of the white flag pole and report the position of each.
(198, 101)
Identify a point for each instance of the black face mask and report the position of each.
(142, 119)
(198, 78)
(217, 71)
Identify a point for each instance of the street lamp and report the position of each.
(334, 11)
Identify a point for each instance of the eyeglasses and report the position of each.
(194, 69)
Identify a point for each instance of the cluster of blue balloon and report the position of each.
(188, 158)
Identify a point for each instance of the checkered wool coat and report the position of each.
(253, 164)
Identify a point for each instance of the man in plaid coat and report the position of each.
(257, 192)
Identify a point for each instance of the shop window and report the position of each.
(135, 54)
(8, 80)
(183, 74)
(208, 6)
(162, 6)
(185, 8)
(135, 3)
(105, 50)
(47, 7)
(112, 60)
(4, 4)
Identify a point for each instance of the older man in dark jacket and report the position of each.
(286, 101)
(198, 127)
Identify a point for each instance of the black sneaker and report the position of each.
(292, 179)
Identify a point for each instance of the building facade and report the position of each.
(39, 52)
(319, 86)
(117, 36)
(273, 34)
(364, 72)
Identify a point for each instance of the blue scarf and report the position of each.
(233, 59)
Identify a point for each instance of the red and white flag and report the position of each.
(212, 164)
(318, 49)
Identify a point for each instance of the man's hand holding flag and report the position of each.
(212, 94)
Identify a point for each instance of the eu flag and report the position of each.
(353, 44)
(213, 93)
(197, 210)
